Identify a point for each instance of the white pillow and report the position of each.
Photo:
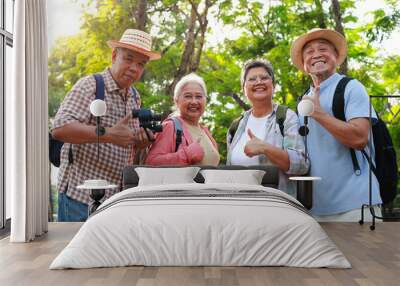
(249, 177)
(164, 176)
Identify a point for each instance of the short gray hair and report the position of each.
(255, 63)
(192, 77)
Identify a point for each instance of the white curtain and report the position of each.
(27, 123)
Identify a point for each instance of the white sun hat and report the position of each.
(136, 40)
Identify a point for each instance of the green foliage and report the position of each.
(383, 24)
(267, 29)
(222, 75)
(390, 74)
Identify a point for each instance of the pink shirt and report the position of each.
(162, 151)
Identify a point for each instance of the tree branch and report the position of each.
(320, 14)
(337, 16)
(168, 46)
(238, 100)
(258, 22)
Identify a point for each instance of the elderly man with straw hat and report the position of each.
(344, 185)
(118, 132)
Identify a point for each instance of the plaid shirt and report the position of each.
(112, 158)
(292, 142)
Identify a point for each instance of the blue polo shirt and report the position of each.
(340, 189)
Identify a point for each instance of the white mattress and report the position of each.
(185, 230)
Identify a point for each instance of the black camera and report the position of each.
(148, 119)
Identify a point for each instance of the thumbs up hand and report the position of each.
(254, 146)
(195, 151)
(314, 98)
(121, 134)
(250, 133)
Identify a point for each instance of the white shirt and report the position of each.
(258, 126)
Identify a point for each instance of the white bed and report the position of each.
(201, 224)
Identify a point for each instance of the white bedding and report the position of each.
(255, 230)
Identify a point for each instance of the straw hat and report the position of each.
(336, 39)
(136, 40)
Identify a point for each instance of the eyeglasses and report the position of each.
(261, 77)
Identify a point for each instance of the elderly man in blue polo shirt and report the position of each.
(342, 191)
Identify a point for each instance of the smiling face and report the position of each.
(191, 102)
(320, 58)
(258, 86)
(127, 66)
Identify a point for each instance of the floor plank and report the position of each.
(374, 255)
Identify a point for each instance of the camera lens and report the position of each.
(157, 128)
(157, 117)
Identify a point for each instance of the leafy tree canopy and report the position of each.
(266, 29)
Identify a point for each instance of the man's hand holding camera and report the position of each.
(122, 135)
(143, 138)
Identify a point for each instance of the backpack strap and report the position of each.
(178, 131)
(135, 97)
(338, 98)
(372, 163)
(99, 92)
(338, 112)
(280, 120)
(99, 86)
(99, 95)
(281, 117)
(233, 128)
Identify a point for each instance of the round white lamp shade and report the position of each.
(98, 107)
(305, 107)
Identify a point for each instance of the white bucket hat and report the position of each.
(136, 40)
(336, 39)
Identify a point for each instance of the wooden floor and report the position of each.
(374, 255)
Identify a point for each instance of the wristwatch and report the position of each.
(100, 130)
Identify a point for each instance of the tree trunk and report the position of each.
(320, 14)
(141, 15)
(337, 16)
(203, 29)
(185, 62)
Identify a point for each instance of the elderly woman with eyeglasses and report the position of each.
(268, 132)
(196, 146)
